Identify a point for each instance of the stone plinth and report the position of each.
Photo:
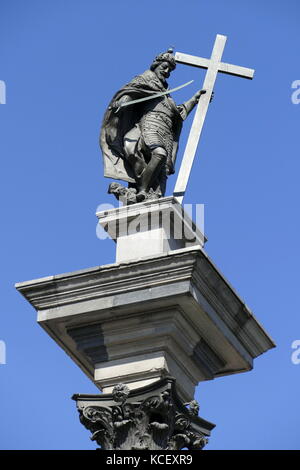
(138, 321)
(150, 228)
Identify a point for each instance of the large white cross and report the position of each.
(2, 92)
(213, 66)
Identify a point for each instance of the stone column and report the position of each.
(161, 310)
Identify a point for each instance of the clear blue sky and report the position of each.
(61, 62)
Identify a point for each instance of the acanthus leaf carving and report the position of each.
(130, 421)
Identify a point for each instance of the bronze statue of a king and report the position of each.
(139, 141)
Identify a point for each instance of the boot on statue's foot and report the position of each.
(141, 196)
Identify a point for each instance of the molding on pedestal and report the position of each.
(175, 308)
(150, 228)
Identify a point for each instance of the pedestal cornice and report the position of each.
(171, 309)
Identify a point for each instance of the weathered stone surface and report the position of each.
(148, 418)
(150, 228)
(170, 314)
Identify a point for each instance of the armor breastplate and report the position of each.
(160, 105)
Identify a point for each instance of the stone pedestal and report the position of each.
(163, 309)
(150, 228)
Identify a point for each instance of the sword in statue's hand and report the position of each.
(152, 97)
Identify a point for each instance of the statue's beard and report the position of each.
(162, 79)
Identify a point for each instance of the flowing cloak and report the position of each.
(115, 126)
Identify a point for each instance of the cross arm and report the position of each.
(223, 67)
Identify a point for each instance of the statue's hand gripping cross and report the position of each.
(213, 66)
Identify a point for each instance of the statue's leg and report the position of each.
(162, 182)
(158, 158)
(133, 156)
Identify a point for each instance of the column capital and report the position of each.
(149, 418)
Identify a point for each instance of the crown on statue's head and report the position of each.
(164, 57)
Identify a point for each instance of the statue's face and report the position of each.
(163, 70)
